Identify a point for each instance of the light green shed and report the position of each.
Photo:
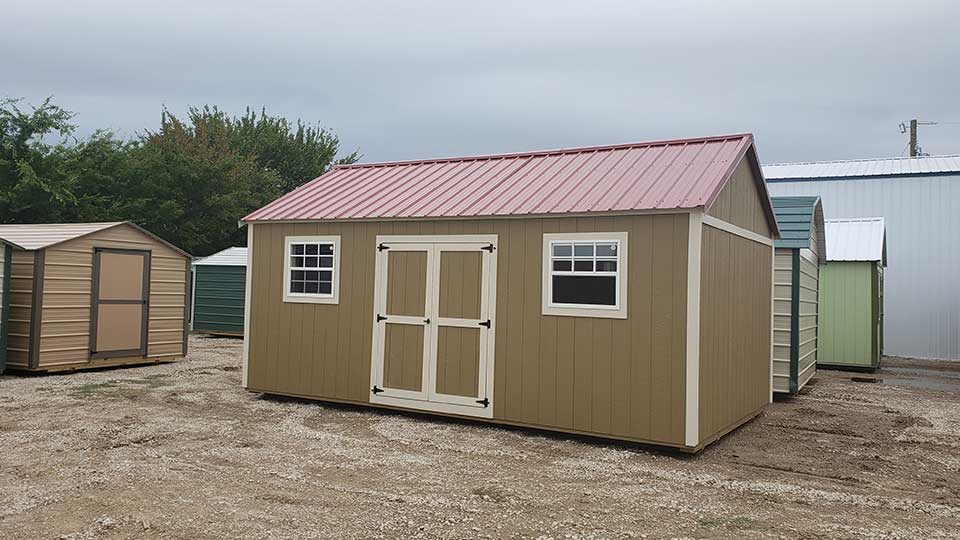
(219, 284)
(851, 307)
(798, 259)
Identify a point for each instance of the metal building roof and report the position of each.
(856, 239)
(39, 236)
(797, 217)
(947, 164)
(232, 256)
(675, 174)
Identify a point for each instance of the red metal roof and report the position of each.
(674, 174)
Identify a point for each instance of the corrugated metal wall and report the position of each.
(218, 299)
(922, 292)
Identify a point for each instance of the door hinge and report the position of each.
(382, 247)
(376, 390)
(380, 318)
(488, 247)
(485, 402)
(485, 323)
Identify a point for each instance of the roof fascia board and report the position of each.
(483, 217)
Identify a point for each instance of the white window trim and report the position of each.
(618, 311)
(311, 298)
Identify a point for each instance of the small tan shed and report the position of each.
(85, 295)
(618, 291)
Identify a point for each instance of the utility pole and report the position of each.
(913, 138)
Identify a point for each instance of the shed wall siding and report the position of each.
(21, 298)
(782, 318)
(735, 331)
(809, 317)
(218, 299)
(739, 202)
(6, 252)
(846, 314)
(68, 278)
(612, 377)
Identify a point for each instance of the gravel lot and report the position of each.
(181, 451)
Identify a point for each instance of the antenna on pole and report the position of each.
(915, 150)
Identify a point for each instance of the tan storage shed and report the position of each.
(618, 291)
(88, 295)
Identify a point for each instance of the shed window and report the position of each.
(584, 274)
(311, 269)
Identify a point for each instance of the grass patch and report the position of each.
(95, 389)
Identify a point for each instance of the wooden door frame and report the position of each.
(382, 245)
(95, 302)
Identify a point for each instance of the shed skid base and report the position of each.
(495, 422)
(97, 363)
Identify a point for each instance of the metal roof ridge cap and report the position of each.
(538, 153)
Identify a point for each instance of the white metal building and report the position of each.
(918, 199)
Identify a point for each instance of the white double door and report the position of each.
(434, 323)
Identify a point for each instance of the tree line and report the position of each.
(188, 182)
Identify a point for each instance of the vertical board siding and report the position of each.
(846, 314)
(735, 331)
(613, 377)
(739, 202)
(6, 252)
(67, 282)
(21, 294)
(218, 299)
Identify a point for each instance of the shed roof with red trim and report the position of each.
(624, 178)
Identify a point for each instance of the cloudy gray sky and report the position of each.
(813, 80)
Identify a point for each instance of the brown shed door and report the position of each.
(121, 292)
(433, 337)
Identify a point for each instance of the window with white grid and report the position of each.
(584, 274)
(311, 269)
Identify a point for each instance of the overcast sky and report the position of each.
(815, 80)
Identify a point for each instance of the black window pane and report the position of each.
(296, 261)
(312, 275)
(311, 262)
(311, 249)
(596, 290)
(325, 287)
(296, 286)
(297, 275)
(326, 249)
(606, 266)
(562, 266)
(297, 249)
(311, 287)
(583, 266)
(326, 262)
(562, 250)
(326, 275)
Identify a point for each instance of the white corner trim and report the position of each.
(694, 253)
(773, 288)
(245, 375)
(308, 298)
(717, 223)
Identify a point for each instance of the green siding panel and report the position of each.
(848, 317)
(219, 299)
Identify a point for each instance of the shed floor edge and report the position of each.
(651, 444)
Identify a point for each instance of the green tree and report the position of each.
(35, 182)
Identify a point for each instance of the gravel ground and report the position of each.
(181, 451)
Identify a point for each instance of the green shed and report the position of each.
(219, 283)
(5, 257)
(852, 294)
(797, 260)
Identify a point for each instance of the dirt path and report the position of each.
(180, 451)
